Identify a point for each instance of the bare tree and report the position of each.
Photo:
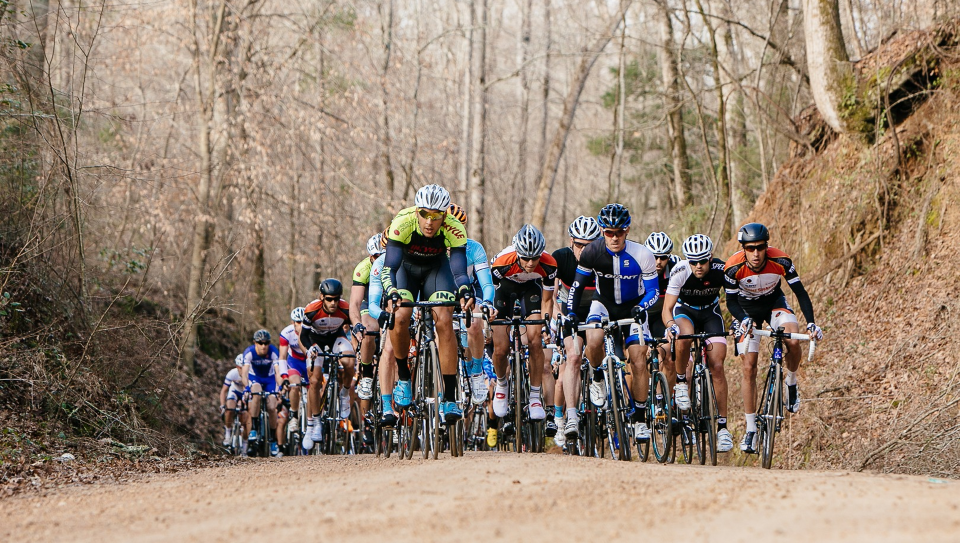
(673, 103)
(555, 151)
(831, 75)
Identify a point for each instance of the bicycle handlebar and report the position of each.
(430, 304)
(509, 322)
(703, 335)
(786, 335)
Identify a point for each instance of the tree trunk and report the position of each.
(467, 113)
(614, 175)
(520, 176)
(477, 160)
(736, 120)
(545, 106)
(570, 103)
(386, 141)
(673, 104)
(259, 267)
(723, 175)
(831, 74)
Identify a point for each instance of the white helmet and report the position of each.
(529, 242)
(238, 360)
(433, 197)
(373, 244)
(697, 247)
(659, 244)
(298, 315)
(584, 228)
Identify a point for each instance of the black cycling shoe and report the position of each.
(551, 428)
(793, 398)
(507, 429)
(749, 443)
(389, 420)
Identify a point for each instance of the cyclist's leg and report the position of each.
(439, 285)
(408, 284)
(531, 305)
(637, 353)
(474, 362)
(255, 400)
(716, 354)
(367, 350)
(749, 348)
(594, 350)
(784, 317)
(388, 377)
(573, 346)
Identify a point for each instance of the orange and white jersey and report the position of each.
(506, 266)
(754, 285)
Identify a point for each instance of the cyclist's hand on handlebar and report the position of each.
(746, 327)
(570, 324)
(815, 332)
(382, 319)
(358, 330)
(638, 313)
(223, 410)
(673, 331)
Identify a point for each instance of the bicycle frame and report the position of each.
(520, 386)
(771, 405)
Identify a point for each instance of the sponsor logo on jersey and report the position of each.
(457, 233)
(616, 276)
(396, 232)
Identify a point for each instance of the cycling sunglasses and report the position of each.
(263, 343)
(753, 248)
(618, 233)
(331, 298)
(579, 245)
(431, 215)
(662, 257)
(700, 262)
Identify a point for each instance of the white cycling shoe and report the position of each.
(681, 395)
(365, 388)
(536, 409)
(344, 404)
(641, 432)
(478, 388)
(598, 393)
(724, 441)
(501, 403)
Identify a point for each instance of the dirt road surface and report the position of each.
(491, 496)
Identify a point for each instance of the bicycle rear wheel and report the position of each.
(699, 417)
(767, 418)
(660, 418)
(519, 388)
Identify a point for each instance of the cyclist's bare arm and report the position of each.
(669, 302)
(356, 297)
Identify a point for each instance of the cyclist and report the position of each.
(478, 270)
(692, 304)
(416, 265)
(661, 246)
(522, 272)
(324, 328)
(261, 365)
(754, 296)
(231, 395)
(626, 281)
(294, 357)
(582, 230)
(363, 322)
(388, 364)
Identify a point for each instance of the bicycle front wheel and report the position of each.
(769, 412)
(660, 418)
(710, 414)
(436, 395)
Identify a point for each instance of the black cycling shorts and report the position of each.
(707, 320)
(530, 295)
(433, 282)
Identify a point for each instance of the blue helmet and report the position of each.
(613, 216)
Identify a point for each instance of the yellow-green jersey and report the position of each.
(424, 259)
(418, 248)
(361, 274)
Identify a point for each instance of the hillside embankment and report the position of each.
(872, 222)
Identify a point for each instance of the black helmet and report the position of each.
(261, 336)
(331, 287)
(753, 232)
(613, 216)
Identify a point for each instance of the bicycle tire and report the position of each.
(687, 439)
(772, 393)
(700, 417)
(437, 394)
(387, 444)
(711, 416)
(618, 407)
(660, 418)
(517, 381)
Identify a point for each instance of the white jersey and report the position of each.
(233, 380)
(290, 339)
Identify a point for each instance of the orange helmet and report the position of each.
(458, 213)
(383, 237)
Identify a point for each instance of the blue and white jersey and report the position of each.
(375, 288)
(261, 366)
(625, 277)
(478, 270)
